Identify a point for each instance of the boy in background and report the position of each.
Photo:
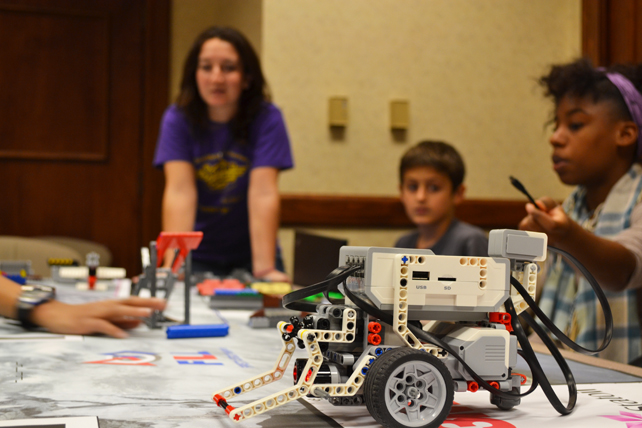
(431, 178)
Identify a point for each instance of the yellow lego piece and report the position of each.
(271, 287)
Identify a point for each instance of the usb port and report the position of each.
(423, 275)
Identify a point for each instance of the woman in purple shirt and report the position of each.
(222, 146)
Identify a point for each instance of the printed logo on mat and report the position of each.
(128, 358)
(632, 420)
(465, 417)
(137, 358)
(234, 357)
(202, 358)
(627, 403)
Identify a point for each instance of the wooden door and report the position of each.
(82, 87)
(612, 31)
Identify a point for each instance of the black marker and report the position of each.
(519, 186)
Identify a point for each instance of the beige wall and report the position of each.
(467, 67)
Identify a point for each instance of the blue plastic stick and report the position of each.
(187, 331)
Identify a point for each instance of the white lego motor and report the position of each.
(450, 288)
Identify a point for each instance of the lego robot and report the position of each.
(372, 349)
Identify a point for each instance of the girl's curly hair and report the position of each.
(580, 79)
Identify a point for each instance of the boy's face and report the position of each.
(585, 141)
(428, 197)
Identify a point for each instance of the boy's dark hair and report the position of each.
(435, 154)
(252, 97)
(579, 79)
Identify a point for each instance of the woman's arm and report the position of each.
(609, 262)
(106, 317)
(264, 210)
(179, 200)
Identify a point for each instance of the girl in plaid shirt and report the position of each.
(597, 146)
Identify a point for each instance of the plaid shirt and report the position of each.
(569, 300)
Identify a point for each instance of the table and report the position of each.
(150, 381)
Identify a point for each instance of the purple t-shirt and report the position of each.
(222, 168)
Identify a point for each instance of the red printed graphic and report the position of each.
(203, 358)
(128, 358)
(465, 417)
(632, 420)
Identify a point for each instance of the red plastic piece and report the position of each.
(308, 376)
(473, 386)
(501, 318)
(219, 400)
(374, 327)
(494, 384)
(91, 281)
(207, 287)
(289, 328)
(374, 339)
(222, 403)
(524, 378)
(184, 241)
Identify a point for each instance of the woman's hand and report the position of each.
(276, 276)
(108, 317)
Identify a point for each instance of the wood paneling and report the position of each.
(612, 31)
(622, 30)
(60, 193)
(594, 26)
(58, 83)
(388, 212)
(156, 78)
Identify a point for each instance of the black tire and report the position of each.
(506, 403)
(406, 387)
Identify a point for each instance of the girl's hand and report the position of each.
(548, 217)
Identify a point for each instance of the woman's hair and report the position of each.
(579, 79)
(252, 97)
(434, 154)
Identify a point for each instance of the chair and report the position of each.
(38, 251)
(83, 247)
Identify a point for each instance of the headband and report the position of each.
(633, 100)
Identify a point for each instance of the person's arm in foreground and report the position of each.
(264, 209)
(106, 317)
(608, 261)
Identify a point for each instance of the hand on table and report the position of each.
(110, 317)
(276, 276)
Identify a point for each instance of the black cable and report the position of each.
(293, 300)
(519, 186)
(537, 371)
(601, 297)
